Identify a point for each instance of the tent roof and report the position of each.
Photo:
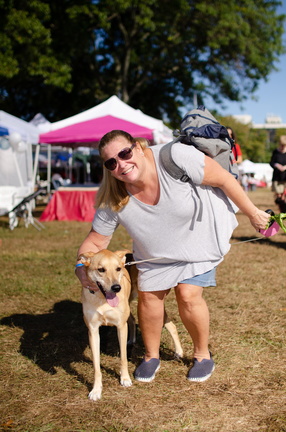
(116, 108)
(27, 131)
(92, 130)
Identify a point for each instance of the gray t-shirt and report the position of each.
(171, 229)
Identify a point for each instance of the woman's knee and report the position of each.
(146, 297)
(151, 307)
(189, 294)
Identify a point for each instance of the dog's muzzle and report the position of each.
(116, 288)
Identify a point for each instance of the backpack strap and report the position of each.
(168, 163)
(176, 172)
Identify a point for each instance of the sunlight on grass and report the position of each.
(45, 362)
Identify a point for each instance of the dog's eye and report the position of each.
(101, 270)
(118, 269)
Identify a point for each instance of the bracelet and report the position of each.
(79, 265)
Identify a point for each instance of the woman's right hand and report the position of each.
(84, 280)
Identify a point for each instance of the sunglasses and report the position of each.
(124, 154)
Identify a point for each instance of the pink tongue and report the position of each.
(112, 299)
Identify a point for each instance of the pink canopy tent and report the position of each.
(92, 130)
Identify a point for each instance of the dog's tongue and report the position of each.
(112, 299)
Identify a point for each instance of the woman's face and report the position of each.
(126, 170)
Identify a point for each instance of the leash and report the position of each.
(130, 263)
(275, 219)
(141, 261)
(251, 240)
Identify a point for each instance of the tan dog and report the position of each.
(110, 307)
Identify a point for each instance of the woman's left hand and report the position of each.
(259, 220)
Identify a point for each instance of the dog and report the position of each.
(110, 306)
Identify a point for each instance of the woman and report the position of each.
(236, 149)
(161, 216)
(278, 163)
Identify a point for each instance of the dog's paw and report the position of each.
(95, 394)
(125, 382)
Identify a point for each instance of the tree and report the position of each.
(154, 54)
(254, 143)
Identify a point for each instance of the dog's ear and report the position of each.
(85, 258)
(122, 254)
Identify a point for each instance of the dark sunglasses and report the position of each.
(124, 154)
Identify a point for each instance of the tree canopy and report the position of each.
(62, 57)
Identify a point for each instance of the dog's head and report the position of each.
(106, 269)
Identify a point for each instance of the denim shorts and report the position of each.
(203, 280)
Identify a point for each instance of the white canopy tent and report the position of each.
(16, 161)
(17, 173)
(112, 108)
(116, 108)
(261, 171)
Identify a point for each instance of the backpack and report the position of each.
(200, 129)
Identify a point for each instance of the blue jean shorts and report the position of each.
(203, 280)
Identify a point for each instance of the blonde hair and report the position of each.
(144, 143)
(112, 193)
(282, 140)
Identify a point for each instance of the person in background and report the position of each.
(236, 149)
(278, 163)
(175, 246)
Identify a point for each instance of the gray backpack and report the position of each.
(200, 129)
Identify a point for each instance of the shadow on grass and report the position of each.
(260, 241)
(60, 337)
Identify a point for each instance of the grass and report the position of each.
(45, 366)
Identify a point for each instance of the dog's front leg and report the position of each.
(94, 342)
(122, 333)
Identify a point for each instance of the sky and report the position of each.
(271, 95)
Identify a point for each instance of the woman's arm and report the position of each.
(94, 242)
(216, 176)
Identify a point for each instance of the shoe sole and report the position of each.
(204, 378)
(148, 379)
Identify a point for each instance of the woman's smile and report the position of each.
(128, 170)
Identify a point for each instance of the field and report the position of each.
(45, 366)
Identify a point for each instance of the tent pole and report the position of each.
(36, 161)
(49, 167)
(17, 167)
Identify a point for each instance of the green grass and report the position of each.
(45, 366)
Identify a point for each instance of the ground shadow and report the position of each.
(59, 338)
(236, 240)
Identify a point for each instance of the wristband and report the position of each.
(79, 265)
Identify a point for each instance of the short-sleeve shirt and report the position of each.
(171, 230)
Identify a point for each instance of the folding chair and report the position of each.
(23, 208)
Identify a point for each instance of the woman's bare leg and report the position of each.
(151, 320)
(194, 314)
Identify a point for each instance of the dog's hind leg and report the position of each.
(122, 337)
(170, 326)
(94, 341)
(131, 330)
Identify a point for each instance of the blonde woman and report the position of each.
(160, 214)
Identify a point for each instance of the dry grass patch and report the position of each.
(46, 371)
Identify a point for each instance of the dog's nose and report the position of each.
(116, 288)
